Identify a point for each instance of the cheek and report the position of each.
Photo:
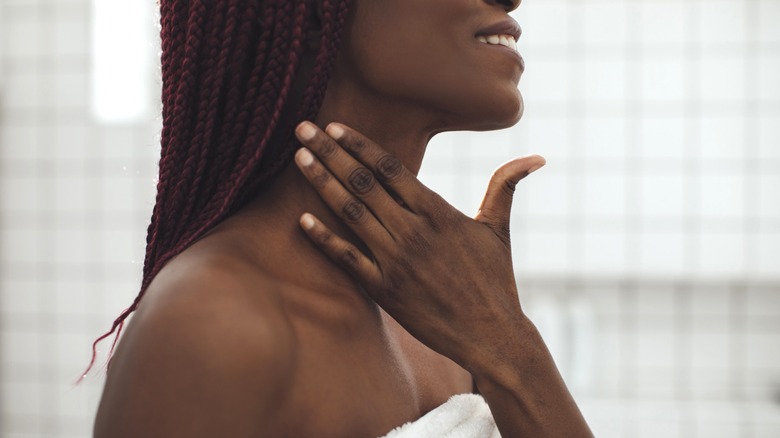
(391, 51)
(408, 48)
(435, 64)
(447, 79)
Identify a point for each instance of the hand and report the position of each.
(445, 277)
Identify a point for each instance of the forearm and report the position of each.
(524, 389)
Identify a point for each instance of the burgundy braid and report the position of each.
(244, 85)
(227, 70)
(333, 21)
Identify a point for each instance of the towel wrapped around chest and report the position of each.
(462, 416)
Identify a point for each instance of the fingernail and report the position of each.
(335, 131)
(304, 157)
(535, 168)
(307, 222)
(306, 131)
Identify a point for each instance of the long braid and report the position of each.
(239, 84)
(227, 70)
(181, 159)
(213, 73)
(173, 34)
(334, 16)
(261, 112)
(276, 69)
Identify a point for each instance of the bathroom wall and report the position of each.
(647, 250)
(75, 196)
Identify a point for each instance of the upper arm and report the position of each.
(201, 363)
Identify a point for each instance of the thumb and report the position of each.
(497, 203)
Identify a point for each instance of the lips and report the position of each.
(504, 27)
(501, 36)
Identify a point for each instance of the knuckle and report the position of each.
(417, 243)
(324, 237)
(361, 180)
(508, 187)
(320, 177)
(327, 147)
(389, 167)
(354, 210)
(356, 143)
(435, 216)
(349, 256)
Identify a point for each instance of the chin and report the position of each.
(517, 111)
(505, 115)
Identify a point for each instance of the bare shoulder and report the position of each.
(209, 352)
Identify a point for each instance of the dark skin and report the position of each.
(297, 316)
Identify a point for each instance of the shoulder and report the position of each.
(208, 353)
(207, 301)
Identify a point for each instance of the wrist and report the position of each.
(518, 378)
(498, 362)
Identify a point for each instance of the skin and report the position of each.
(347, 324)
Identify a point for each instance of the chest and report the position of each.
(367, 384)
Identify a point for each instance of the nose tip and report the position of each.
(508, 5)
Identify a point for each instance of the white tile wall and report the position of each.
(74, 199)
(647, 250)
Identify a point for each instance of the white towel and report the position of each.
(462, 416)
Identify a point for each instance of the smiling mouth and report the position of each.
(507, 41)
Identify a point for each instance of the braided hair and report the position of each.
(227, 71)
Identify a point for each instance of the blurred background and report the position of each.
(647, 250)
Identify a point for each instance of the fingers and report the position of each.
(341, 252)
(389, 169)
(497, 203)
(354, 176)
(350, 209)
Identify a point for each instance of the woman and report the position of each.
(331, 294)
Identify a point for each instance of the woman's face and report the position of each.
(426, 53)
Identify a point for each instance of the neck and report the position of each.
(401, 128)
(272, 217)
